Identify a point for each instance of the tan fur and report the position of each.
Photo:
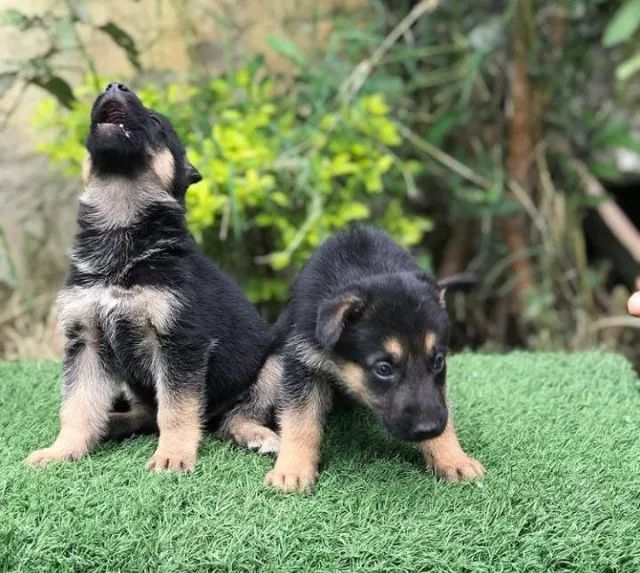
(266, 387)
(394, 347)
(353, 377)
(337, 320)
(163, 165)
(447, 458)
(87, 169)
(296, 468)
(253, 435)
(118, 200)
(84, 412)
(180, 425)
(245, 424)
(80, 306)
(430, 342)
(309, 355)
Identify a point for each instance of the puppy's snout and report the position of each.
(428, 429)
(115, 87)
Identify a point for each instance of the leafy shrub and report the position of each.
(279, 174)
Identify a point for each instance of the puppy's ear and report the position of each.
(432, 284)
(462, 281)
(193, 175)
(333, 315)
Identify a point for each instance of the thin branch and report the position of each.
(314, 214)
(361, 72)
(470, 175)
(442, 157)
(614, 322)
(613, 217)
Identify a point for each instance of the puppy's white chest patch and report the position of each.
(103, 306)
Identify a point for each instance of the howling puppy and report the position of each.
(364, 319)
(142, 309)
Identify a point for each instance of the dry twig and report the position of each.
(361, 72)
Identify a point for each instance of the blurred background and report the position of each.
(500, 138)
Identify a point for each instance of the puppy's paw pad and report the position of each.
(40, 458)
(463, 468)
(172, 461)
(291, 480)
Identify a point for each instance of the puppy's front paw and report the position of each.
(459, 468)
(176, 461)
(40, 458)
(292, 479)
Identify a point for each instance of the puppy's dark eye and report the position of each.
(438, 363)
(383, 370)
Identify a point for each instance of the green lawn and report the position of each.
(558, 434)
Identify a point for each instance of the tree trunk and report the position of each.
(520, 151)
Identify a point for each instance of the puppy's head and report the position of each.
(128, 139)
(389, 338)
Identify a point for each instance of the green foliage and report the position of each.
(623, 25)
(279, 175)
(289, 160)
(622, 28)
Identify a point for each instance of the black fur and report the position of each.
(215, 326)
(146, 313)
(357, 291)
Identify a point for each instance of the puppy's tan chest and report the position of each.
(102, 307)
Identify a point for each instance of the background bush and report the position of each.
(480, 134)
(281, 171)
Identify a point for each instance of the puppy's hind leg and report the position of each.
(246, 423)
(139, 419)
(87, 395)
(250, 434)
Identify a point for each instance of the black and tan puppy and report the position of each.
(364, 319)
(142, 309)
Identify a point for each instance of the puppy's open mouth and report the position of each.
(112, 113)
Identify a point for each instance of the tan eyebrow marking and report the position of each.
(430, 341)
(394, 347)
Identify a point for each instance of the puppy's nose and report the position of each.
(115, 87)
(427, 429)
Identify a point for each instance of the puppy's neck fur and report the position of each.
(117, 201)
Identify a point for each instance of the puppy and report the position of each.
(142, 308)
(365, 320)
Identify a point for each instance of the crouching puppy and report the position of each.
(364, 319)
(142, 309)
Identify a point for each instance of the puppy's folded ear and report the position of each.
(462, 281)
(334, 314)
(193, 175)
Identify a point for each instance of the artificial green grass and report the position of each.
(558, 434)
